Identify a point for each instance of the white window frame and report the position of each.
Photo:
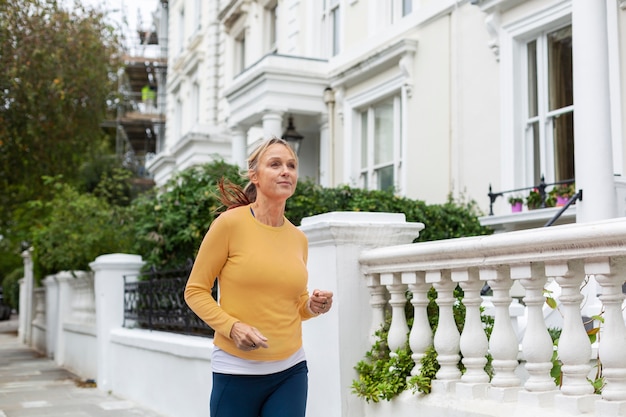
(195, 103)
(354, 105)
(271, 25)
(371, 169)
(181, 30)
(197, 15)
(514, 36)
(544, 118)
(331, 25)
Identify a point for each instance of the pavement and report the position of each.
(32, 385)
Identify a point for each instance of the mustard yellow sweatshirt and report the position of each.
(262, 276)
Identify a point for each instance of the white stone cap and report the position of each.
(354, 217)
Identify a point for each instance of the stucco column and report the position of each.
(272, 124)
(52, 313)
(592, 114)
(109, 271)
(64, 300)
(239, 146)
(324, 151)
(26, 299)
(336, 341)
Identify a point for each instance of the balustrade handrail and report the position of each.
(567, 257)
(569, 241)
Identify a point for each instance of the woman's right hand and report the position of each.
(247, 337)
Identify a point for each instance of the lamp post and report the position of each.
(293, 138)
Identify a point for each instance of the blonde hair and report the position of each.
(232, 195)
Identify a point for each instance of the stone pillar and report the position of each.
(337, 340)
(63, 312)
(26, 298)
(239, 147)
(109, 271)
(325, 158)
(52, 314)
(272, 124)
(592, 115)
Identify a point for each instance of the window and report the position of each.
(331, 25)
(240, 52)
(549, 107)
(197, 16)
(195, 103)
(271, 14)
(181, 30)
(380, 145)
(178, 119)
(407, 7)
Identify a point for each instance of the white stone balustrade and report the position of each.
(570, 256)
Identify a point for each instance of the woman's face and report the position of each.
(277, 173)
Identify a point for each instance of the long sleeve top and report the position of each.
(262, 281)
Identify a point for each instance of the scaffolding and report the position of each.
(140, 119)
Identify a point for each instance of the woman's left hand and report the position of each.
(320, 301)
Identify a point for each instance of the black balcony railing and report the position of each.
(539, 188)
(155, 301)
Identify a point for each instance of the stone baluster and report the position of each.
(537, 345)
(574, 347)
(378, 302)
(612, 351)
(447, 337)
(474, 344)
(398, 330)
(503, 343)
(421, 336)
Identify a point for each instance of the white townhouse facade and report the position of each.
(430, 98)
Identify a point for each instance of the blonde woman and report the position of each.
(259, 259)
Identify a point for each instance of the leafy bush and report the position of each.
(443, 221)
(75, 229)
(384, 374)
(170, 223)
(11, 288)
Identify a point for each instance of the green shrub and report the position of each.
(442, 221)
(384, 374)
(75, 229)
(170, 223)
(11, 288)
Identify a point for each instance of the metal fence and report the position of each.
(155, 301)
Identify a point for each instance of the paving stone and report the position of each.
(32, 385)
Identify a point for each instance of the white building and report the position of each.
(430, 97)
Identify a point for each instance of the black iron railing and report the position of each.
(155, 301)
(539, 188)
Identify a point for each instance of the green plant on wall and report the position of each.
(383, 374)
(593, 333)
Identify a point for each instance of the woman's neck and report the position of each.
(269, 214)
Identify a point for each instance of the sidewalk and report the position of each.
(32, 385)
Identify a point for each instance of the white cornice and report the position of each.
(385, 57)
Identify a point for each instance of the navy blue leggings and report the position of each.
(282, 394)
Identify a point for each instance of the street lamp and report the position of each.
(293, 138)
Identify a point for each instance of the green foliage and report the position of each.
(57, 70)
(170, 223)
(383, 374)
(75, 229)
(443, 221)
(11, 288)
